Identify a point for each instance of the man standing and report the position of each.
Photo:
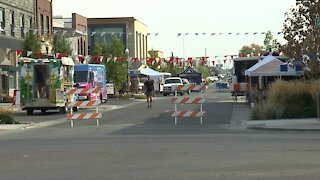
(149, 91)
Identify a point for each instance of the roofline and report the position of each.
(119, 18)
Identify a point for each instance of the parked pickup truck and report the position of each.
(169, 82)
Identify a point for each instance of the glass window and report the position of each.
(80, 76)
(41, 24)
(11, 16)
(1, 15)
(2, 20)
(48, 23)
(30, 22)
(21, 20)
(22, 25)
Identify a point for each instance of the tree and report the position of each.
(116, 70)
(252, 49)
(205, 71)
(31, 43)
(61, 44)
(270, 44)
(301, 34)
(154, 54)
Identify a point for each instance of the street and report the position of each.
(133, 142)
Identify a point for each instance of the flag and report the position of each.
(38, 55)
(29, 53)
(212, 63)
(59, 56)
(224, 61)
(80, 59)
(171, 60)
(18, 52)
(189, 58)
(177, 60)
(120, 59)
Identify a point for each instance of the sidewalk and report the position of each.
(241, 115)
(111, 104)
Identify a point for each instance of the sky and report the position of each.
(170, 17)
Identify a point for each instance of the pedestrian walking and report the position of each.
(149, 91)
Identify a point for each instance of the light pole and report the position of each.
(127, 61)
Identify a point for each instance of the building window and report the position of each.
(22, 25)
(137, 45)
(30, 22)
(11, 20)
(48, 24)
(2, 21)
(41, 24)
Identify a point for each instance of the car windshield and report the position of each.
(80, 76)
(172, 81)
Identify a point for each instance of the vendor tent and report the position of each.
(192, 75)
(269, 66)
(150, 72)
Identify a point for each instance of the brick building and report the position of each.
(16, 18)
(75, 29)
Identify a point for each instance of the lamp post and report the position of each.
(127, 61)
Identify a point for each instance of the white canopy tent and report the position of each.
(150, 72)
(269, 66)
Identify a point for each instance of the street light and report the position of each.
(127, 61)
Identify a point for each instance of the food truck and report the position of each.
(91, 76)
(44, 83)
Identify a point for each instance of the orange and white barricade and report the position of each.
(84, 104)
(187, 100)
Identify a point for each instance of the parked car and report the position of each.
(213, 78)
(169, 82)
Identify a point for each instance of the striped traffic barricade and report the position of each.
(188, 100)
(84, 104)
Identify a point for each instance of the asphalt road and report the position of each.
(134, 142)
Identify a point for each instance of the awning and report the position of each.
(150, 72)
(67, 61)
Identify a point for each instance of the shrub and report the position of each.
(267, 110)
(139, 96)
(6, 116)
(296, 99)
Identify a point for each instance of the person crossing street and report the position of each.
(149, 91)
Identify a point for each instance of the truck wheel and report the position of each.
(62, 110)
(43, 111)
(29, 111)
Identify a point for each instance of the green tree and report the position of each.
(205, 71)
(170, 68)
(153, 54)
(116, 70)
(271, 44)
(302, 36)
(252, 49)
(31, 43)
(61, 44)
